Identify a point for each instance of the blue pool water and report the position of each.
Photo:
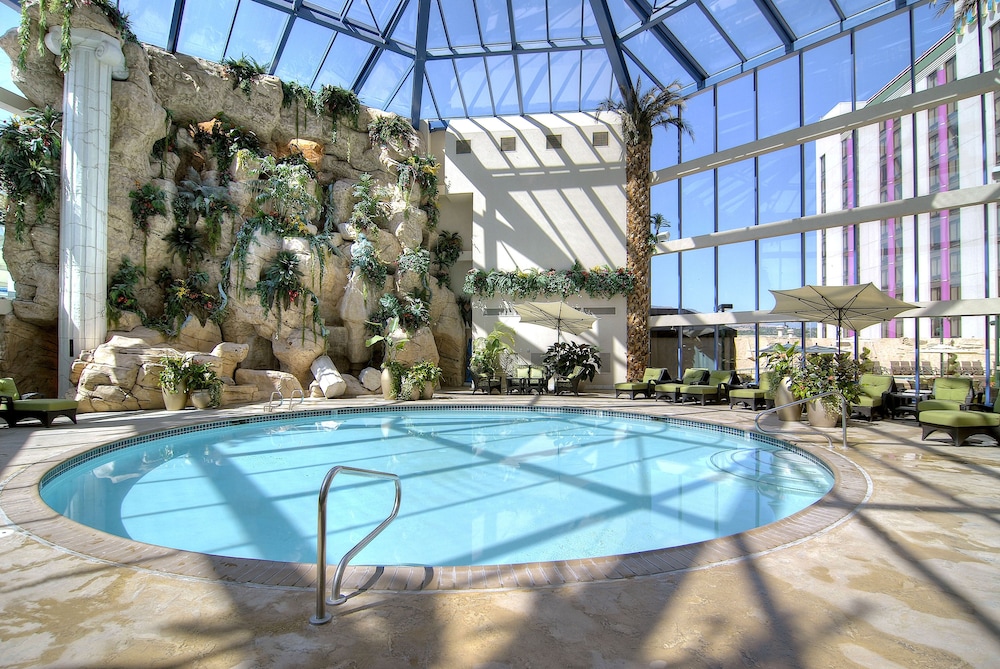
(478, 486)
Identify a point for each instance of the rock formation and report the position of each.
(179, 125)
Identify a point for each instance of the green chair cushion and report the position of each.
(939, 405)
(44, 404)
(748, 393)
(694, 376)
(960, 418)
(868, 401)
(9, 389)
(873, 385)
(953, 388)
(700, 390)
(651, 374)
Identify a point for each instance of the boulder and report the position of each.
(355, 387)
(267, 382)
(420, 346)
(371, 379)
(296, 351)
(329, 379)
(230, 355)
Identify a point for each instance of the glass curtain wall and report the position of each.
(949, 254)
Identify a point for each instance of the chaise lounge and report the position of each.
(672, 391)
(651, 377)
(713, 388)
(960, 425)
(14, 408)
(750, 396)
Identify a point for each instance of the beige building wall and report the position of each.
(538, 192)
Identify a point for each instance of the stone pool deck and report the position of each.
(904, 571)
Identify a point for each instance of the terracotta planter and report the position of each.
(820, 415)
(783, 395)
(175, 401)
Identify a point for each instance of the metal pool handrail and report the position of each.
(335, 597)
(843, 416)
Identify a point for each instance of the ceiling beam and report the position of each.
(419, 61)
(612, 46)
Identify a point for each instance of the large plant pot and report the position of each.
(175, 401)
(428, 391)
(783, 395)
(820, 415)
(388, 385)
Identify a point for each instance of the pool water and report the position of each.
(478, 486)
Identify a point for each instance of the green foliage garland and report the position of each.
(244, 71)
(392, 131)
(598, 282)
(110, 10)
(30, 151)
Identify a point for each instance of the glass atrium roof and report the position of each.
(438, 59)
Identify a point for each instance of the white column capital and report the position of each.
(107, 49)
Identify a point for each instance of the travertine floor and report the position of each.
(909, 579)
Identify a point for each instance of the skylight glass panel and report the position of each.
(529, 21)
(494, 22)
(405, 31)
(622, 15)
(388, 72)
(565, 19)
(692, 29)
(534, 71)
(745, 25)
(384, 10)
(564, 69)
(334, 6)
(852, 7)
(303, 53)
(205, 28)
(504, 84)
(650, 52)
(150, 19)
(806, 17)
(437, 38)
(597, 80)
(361, 14)
(9, 18)
(475, 89)
(590, 29)
(882, 51)
(256, 32)
(441, 76)
(401, 103)
(343, 63)
(460, 22)
(428, 108)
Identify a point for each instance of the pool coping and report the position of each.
(21, 503)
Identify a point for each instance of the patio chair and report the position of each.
(966, 367)
(672, 391)
(874, 388)
(750, 395)
(15, 408)
(949, 393)
(977, 368)
(712, 389)
(896, 367)
(926, 369)
(571, 383)
(960, 425)
(487, 383)
(650, 378)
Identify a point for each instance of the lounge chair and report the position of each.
(751, 395)
(485, 382)
(527, 379)
(874, 388)
(960, 425)
(15, 408)
(650, 378)
(713, 388)
(672, 391)
(571, 383)
(948, 393)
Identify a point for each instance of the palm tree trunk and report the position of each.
(637, 211)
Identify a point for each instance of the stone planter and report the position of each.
(428, 392)
(175, 401)
(388, 392)
(783, 395)
(201, 399)
(819, 415)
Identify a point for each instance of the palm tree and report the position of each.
(639, 114)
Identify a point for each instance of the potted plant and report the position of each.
(486, 351)
(204, 385)
(781, 362)
(563, 358)
(422, 377)
(173, 382)
(823, 373)
(394, 338)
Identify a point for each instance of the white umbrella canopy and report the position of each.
(853, 307)
(556, 315)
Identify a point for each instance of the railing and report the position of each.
(277, 396)
(844, 414)
(335, 597)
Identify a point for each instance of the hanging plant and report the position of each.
(448, 249)
(197, 199)
(110, 10)
(286, 189)
(184, 297)
(148, 201)
(340, 104)
(185, 242)
(597, 282)
(370, 207)
(281, 285)
(244, 72)
(393, 131)
(364, 258)
(121, 292)
(30, 151)
(417, 261)
(225, 139)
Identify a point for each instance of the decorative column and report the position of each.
(83, 222)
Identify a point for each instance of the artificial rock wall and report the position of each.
(196, 92)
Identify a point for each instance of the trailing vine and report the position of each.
(370, 207)
(121, 292)
(281, 285)
(333, 101)
(30, 150)
(225, 139)
(364, 258)
(148, 201)
(110, 10)
(446, 253)
(421, 170)
(187, 296)
(598, 282)
(394, 131)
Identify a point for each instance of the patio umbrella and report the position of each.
(556, 315)
(854, 307)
